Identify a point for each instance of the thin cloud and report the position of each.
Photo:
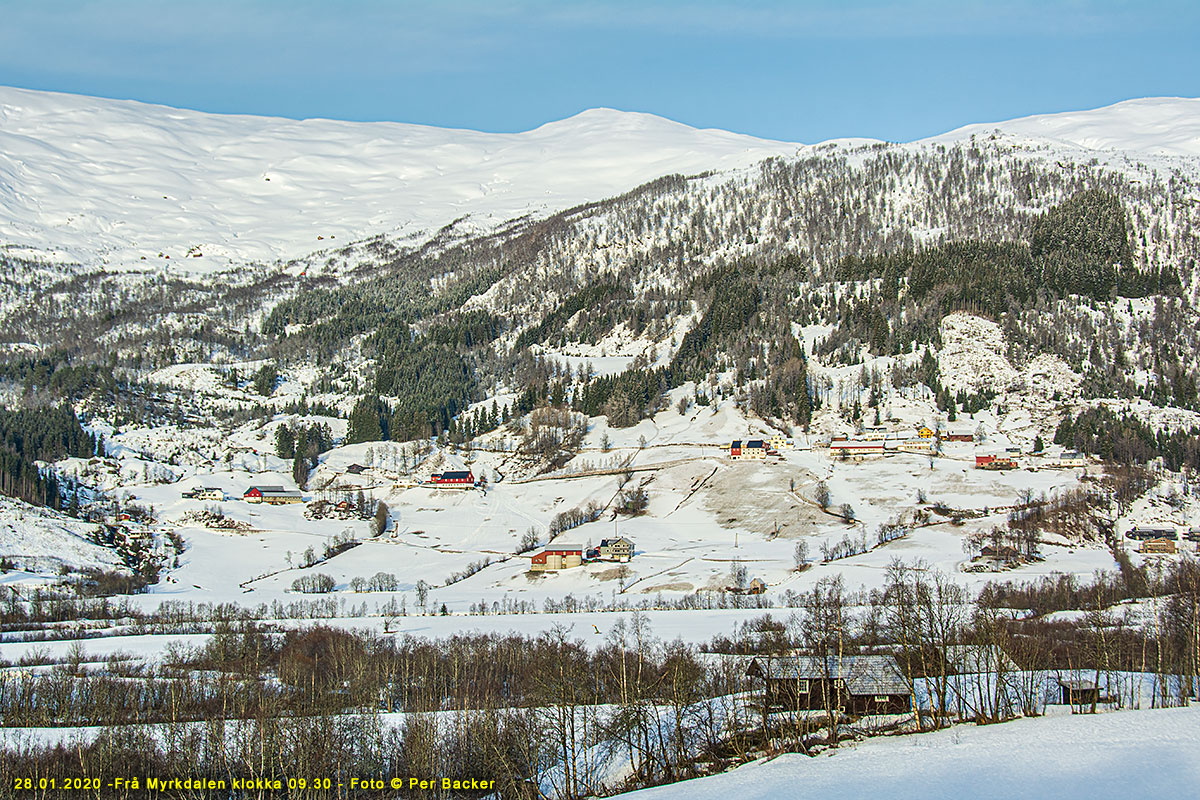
(922, 18)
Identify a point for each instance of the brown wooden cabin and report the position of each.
(857, 685)
(1078, 692)
(1158, 546)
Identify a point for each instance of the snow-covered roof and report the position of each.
(863, 674)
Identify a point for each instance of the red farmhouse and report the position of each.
(451, 479)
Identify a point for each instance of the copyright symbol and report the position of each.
(397, 783)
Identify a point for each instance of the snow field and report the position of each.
(1149, 753)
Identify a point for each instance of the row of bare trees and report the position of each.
(553, 715)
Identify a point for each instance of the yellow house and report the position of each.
(780, 442)
(925, 432)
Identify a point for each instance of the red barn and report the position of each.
(995, 462)
(453, 479)
(561, 557)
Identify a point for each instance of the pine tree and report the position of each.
(300, 471)
(364, 421)
(285, 442)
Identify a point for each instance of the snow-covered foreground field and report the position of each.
(1152, 753)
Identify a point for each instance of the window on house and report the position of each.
(802, 686)
(881, 698)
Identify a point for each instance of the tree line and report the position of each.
(40, 434)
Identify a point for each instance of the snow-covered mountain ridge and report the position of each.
(1147, 126)
(115, 180)
(122, 183)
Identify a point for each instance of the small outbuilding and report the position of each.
(1078, 692)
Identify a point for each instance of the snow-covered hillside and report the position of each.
(38, 541)
(89, 179)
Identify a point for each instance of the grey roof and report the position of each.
(863, 674)
(267, 488)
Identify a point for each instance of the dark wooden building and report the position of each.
(1078, 692)
(856, 685)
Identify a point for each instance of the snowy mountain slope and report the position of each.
(87, 178)
(1152, 125)
(39, 540)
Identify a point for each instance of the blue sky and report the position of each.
(798, 71)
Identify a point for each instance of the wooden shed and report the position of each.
(1078, 692)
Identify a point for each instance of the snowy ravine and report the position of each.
(1082, 757)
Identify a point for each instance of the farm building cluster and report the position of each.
(1162, 539)
(204, 493)
(566, 556)
(751, 449)
(856, 686)
(882, 441)
(879, 440)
